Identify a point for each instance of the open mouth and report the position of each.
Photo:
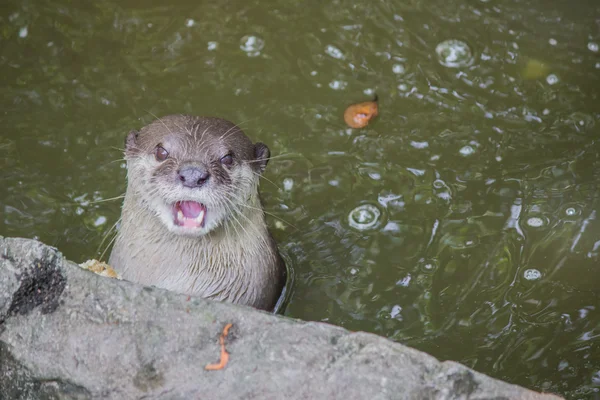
(189, 214)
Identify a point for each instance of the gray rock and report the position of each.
(66, 333)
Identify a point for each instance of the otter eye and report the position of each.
(227, 160)
(160, 153)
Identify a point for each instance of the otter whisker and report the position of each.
(234, 207)
(111, 241)
(272, 157)
(238, 222)
(270, 214)
(105, 200)
(252, 226)
(116, 161)
(160, 120)
(233, 129)
(237, 126)
(106, 235)
(260, 176)
(196, 129)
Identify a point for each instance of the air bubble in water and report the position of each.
(535, 222)
(579, 121)
(288, 184)
(532, 274)
(398, 69)
(438, 184)
(552, 79)
(454, 53)
(252, 45)
(364, 217)
(466, 151)
(334, 52)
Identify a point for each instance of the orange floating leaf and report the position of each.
(358, 115)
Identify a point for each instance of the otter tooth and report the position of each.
(180, 215)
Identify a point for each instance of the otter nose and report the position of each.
(193, 177)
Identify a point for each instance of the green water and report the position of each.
(485, 170)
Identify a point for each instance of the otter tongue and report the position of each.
(189, 214)
(190, 209)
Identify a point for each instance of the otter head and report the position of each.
(194, 173)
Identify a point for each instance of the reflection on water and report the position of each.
(478, 180)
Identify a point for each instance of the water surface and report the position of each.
(482, 168)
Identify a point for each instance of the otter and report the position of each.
(192, 220)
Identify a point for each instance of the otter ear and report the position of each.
(131, 147)
(261, 155)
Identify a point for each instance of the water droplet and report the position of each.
(417, 172)
(404, 281)
(593, 47)
(23, 32)
(428, 265)
(395, 311)
(552, 41)
(212, 46)
(582, 122)
(454, 53)
(532, 274)
(552, 79)
(288, 184)
(419, 145)
(334, 52)
(338, 85)
(280, 225)
(439, 184)
(364, 217)
(571, 211)
(596, 378)
(536, 222)
(398, 69)
(101, 220)
(462, 242)
(467, 151)
(562, 365)
(190, 22)
(252, 45)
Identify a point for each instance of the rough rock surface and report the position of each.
(66, 333)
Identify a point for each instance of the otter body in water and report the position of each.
(192, 221)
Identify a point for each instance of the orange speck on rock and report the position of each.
(224, 354)
(358, 115)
